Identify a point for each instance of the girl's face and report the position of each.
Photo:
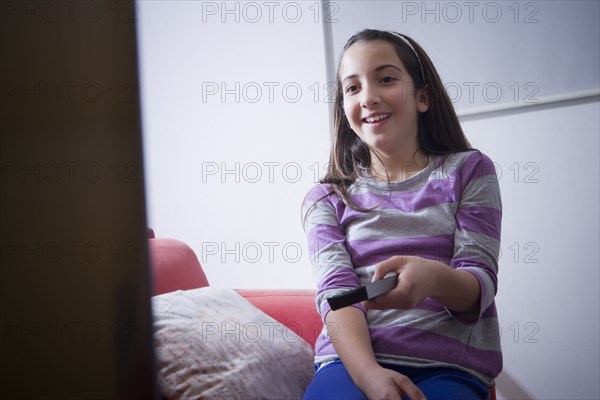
(379, 98)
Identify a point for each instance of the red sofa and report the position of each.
(175, 266)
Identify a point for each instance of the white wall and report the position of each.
(548, 299)
(549, 307)
(236, 129)
(491, 52)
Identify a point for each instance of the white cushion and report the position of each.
(212, 343)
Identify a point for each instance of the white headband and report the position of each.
(405, 40)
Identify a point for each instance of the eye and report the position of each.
(388, 79)
(350, 88)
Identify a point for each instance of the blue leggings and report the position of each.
(332, 381)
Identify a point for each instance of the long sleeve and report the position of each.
(478, 224)
(332, 267)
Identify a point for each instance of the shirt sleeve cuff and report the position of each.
(326, 308)
(486, 297)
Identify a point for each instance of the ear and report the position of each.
(423, 99)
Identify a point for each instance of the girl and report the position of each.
(404, 193)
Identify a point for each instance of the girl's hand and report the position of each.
(420, 278)
(382, 383)
(417, 280)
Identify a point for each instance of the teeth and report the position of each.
(376, 118)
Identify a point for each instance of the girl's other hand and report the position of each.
(383, 383)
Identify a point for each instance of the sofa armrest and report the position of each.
(294, 308)
(174, 266)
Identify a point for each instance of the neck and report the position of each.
(398, 168)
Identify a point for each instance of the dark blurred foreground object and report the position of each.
(75, 320)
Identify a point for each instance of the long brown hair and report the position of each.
(439, 131)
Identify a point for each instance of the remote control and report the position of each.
(365, 292)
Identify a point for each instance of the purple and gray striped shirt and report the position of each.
(450, 212)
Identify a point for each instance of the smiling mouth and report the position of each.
(377, 118)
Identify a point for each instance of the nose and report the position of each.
(369, 97)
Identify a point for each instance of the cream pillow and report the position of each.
(212, 343)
